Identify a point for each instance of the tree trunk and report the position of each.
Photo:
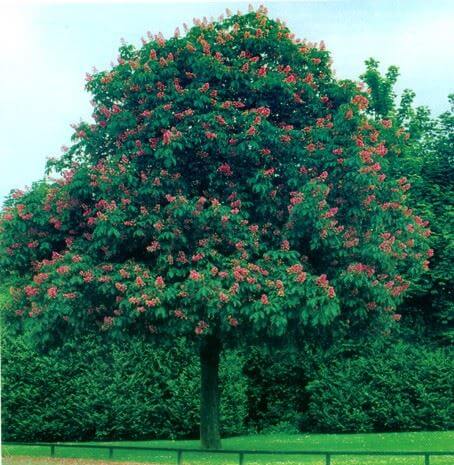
(210, 435)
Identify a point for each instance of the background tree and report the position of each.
(231, 190)
(431, 171)
(428, 164)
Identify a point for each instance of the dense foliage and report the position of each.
(230, 186)
(428, 164)
(90, 390)
(401, 388)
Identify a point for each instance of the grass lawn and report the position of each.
(22, 460)
(421, 441)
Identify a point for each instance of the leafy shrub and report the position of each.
(401, 388)
(88, 390)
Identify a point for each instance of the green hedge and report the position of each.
(90, 390)
(398, 388)
(87, 390)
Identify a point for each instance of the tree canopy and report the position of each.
(229, 187)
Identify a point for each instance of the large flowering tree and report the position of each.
(229, 188)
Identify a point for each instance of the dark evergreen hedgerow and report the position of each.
(87, 390)
(400, 388)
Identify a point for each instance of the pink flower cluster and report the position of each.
(240, 273)
(52, 292)
(87, 276)
(361, 268)
(159, 282)
(107, 322)
(225, 169)
(330, 213)
(30, 291)
(232, 321)
(223, 297)
(323, 282)
(201, 327)
(194, 275)
(121, 287)
(180, 314)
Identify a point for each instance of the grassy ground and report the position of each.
(432, 441)
(22, 460)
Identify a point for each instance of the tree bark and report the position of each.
(210, 436)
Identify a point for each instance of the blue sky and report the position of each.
(47, 48)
